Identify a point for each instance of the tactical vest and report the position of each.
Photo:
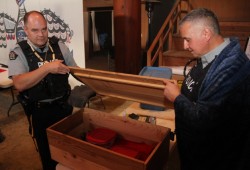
(53, 85)
(192, 82)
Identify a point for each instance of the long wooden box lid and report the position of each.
(142, 89)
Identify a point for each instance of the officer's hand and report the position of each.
(171, 90)
(57, 67)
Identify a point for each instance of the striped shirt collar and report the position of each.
(209, 57)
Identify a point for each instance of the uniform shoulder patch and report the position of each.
(12, 55)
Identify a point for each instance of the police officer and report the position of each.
(39, 69)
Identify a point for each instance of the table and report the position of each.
(7, 83)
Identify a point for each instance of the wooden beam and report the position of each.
(127, 30)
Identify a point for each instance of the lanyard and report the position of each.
(39, 57)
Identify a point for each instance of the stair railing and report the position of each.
(169, 27)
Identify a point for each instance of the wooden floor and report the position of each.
(17, 151)
(101, 61)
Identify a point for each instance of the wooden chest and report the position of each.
(65, 137)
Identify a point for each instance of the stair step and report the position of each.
(179, 53)
(236, 29)
(178, 43)
(176, 58)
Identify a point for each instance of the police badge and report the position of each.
(12, 55)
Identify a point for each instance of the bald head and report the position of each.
(35, 27)
(32, 14)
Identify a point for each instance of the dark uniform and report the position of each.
(46, 102)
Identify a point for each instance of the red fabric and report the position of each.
(143, 149)
(126, 151)
(107, 138)
(2, 70)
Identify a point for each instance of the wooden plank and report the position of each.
(177, 58)
(142, 89)
(73, 162)
(124, 126)
(127, 58)
(97, 3)
(74, 150)
(234, 10)
(159, 158)
(163, 118)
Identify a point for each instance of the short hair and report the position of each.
(26, 16)
(204, 15)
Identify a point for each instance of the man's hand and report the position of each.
(171, 90)
(27, 80)
(56, 67)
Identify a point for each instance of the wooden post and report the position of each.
(127, 30)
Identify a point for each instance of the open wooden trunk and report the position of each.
(65, 137)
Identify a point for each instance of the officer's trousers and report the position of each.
(44, 116)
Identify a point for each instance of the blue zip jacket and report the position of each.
(214, 132)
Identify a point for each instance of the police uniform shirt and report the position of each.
(18, 64)
(191, 84)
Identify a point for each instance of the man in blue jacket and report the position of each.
(212, 108)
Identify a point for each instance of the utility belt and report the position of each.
(45, 103)
(28, 104)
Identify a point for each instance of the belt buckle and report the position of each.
(41, 104)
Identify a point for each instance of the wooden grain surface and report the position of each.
(143, 89)
(67, 148)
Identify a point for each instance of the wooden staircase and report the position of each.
(177, 55)
(167, 47)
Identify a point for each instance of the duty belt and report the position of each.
(47, 102)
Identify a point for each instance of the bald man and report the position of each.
(39, 69)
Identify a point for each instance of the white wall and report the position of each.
(69, 11)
